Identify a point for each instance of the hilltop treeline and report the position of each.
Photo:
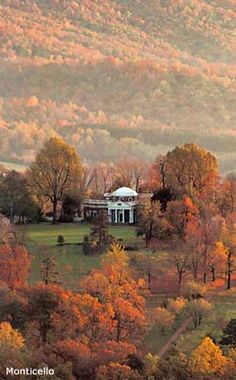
(117, 77)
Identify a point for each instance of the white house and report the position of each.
(121, 205)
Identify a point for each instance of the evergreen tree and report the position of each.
(99, 230)
(229, 336)
(49, 273)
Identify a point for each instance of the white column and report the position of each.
(123, 216)
(115, 216)
(131, 216)
(109, 215)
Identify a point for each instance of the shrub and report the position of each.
(86, 245)
(60, 240)
(194, 290)
(198, 308)
(177, 305)
(229, 336)
(163, 317)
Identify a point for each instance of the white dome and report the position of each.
(124, 192)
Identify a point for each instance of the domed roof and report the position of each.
(124, 192)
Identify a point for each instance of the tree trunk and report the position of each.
(54, 210)
(180, 276)
(149, 235)
(221, 273)
(147, 240)
(11, 214)
(229, 270)
(195, 272)
(118, 331)
(205, 267)
(149, 279)
(213, 273)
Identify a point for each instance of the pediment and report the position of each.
(120, 204)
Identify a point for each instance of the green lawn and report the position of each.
(224, 309)
(72, 264)
(46, 234)
(156, 339)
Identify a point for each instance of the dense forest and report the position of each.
(115, 77)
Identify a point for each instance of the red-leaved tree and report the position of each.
(14, 265)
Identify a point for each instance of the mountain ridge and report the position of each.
(118, 77)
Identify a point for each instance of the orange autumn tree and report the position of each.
(32, 101)
(55, 314)
(117, 371)
(114, 285)
(202, 234)
(80, 331)
(72, 329)
(81, 314)
(14, 265)
(190, 169)
(181, 214)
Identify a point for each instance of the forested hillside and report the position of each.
(127, 77)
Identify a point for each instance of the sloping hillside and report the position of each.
(120, 77)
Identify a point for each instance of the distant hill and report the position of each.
(127, 77)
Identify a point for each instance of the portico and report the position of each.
(121, 214)
(121, 206)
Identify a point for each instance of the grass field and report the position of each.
(156, 339)
(46, 234)
(72, 264)
(41, 241)
(224, 309)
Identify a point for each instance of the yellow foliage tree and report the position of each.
(190, 168)
(10, 337)
(11, 348)
(217, 257)
(177, 305)
(55, 172)
(207, 359)
(115, 256)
